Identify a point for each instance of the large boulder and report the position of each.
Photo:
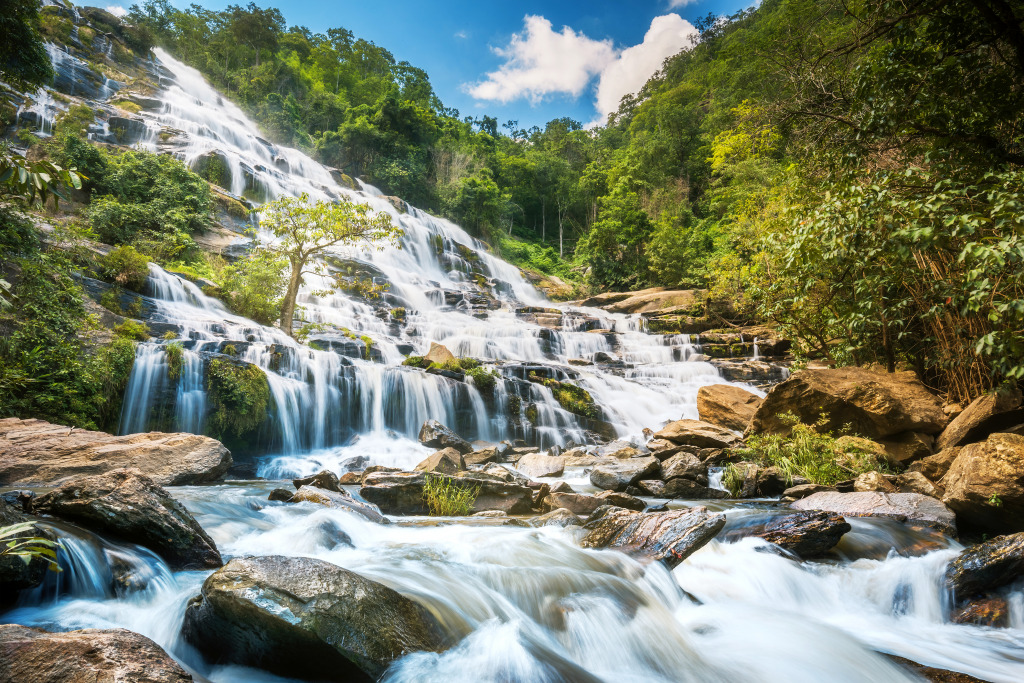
(697, 433)
(444, 461)
(688, 489)
(401, 493)
(995, 412)
(325, 479)
(86, 656)
(301, 617)
(576, 503)
(439, 354)
(805, 534)
(985, 484)
(557, 517)
(874, 403)
(34, 452)
(670, 536)
(616, 476)
(433, 434)
(684, 465)
(338, 500)
(537, 465)
(727, 406)
(934, 467)
(986, 566)
(129, 505)
(904, 507)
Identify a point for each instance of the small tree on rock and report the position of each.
(304, 231)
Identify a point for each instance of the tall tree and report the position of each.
(24, 62)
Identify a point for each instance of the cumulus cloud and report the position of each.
(541, 61)
(667, 35)
(117, 10)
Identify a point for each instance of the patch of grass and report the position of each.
(128, 106)
(446, 498)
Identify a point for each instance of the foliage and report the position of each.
(811, 453)
(31, 180)
(573, 398)
(175, 353)
(255, 286)
(413, 361)
(446, 497)
(133, 330)
(24, 61)
(483, 379)
(125, 267)
(239, 397)
(16, 543)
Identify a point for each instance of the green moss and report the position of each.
(515, 406)
(398, 313)
(573, 398)
(239, 398)
(229, 350)
(132, 329)
(175, 353)
(483, 379)
(531, 413)
(128, 106)
(414, 361)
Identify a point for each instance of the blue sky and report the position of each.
(527, 61)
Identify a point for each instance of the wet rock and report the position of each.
(127, 131)
(805, 534)
(128, 504)
(915, 482)
(401, 493)
(697, 433)
(622, 500)
(858, 445)
(557, 517)
(576, 503)
(281, 495)
(903, 507)
(669, 536)
(616, 476)
(727, 406)
(874, 403)
(439, 354)
(684, 465)
(338, 500)
(15, 573)
(379, 468)
(445, 461)
(651, 487)
(986, 566)
(934, 467)
(621, 450)
(993, 612)
(433, 434)
(996, 412)
(688, 489)
(804, 490)
(873, 481)
(86, 656)
(490, 514)
(324, 479)
(40, 453)
(935, 675)
(351, 479)
(985, 483)
(663, 449)
(537, 465)
(305, 618)
(505, 474)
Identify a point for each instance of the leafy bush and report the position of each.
(175, 353)
(239, 397)
(483, 379)
(254, 287)
(16, 541)
(126, 267)
(132, 329)
(447, 498)
(413, 361)
(575, 399)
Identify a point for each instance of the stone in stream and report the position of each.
(805, 534)
(576, 503)
(558, 517)
(86, 656)
(622, 500)
(697, 433)
(651, 487)
(669, 536)
(992, 611)
(616, 476)
(34, 452)
(686, 465)
(401, 493)
(325, 479)
(689, 489)
(986, 566)
(444, 461)
(433, 434)
(338, 500)
(439, 354)
(985, 484)
(281, 495)
(127, 504)
(874, 403)
(301, 617)
(903, 507)
(537, 465)
(727, 406)
(804, 490)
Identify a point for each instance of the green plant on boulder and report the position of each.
(133, 330)
(484, 379)
(574, 399)
(413, 361)
(126, 267)
(175, 353)
(446, 497)
(239, 397)
(531, 413)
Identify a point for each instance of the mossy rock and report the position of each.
(531, 413)
(239, 398)
(574, 399)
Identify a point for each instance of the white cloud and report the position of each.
(117, 10)
(667, 35)
(541, 61)
(462, 35)
(676, 4)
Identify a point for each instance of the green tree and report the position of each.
(24, 62)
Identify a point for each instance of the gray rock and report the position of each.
(697, 433)
(622, 500)
(904, 507)
(444, 461)
(668, 536)
(433, 434)
(684, 465)
(805, 534)
(616, 476)
(338, 500)
(558, 517)
(537, 465)
(324, 479)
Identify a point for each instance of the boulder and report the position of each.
(874, 403)
(805, 534)
(697, 433)
(915, 482)
(433, 434)
(651, 487)
(558, 517)
(444, 461)
(986, 566)
(622, 500)
(324, 479)
(281, 495)
(903, 507)
(86, 656)
(991, 611)
(616, 476)
(670, 536)
(301, 617)
(401, 493)
(727, 406)
(537, 465)
(804, 490)
(663, 449)
(576, 503)
(873, 481)
(995, 412)
(34, 452)
(683, 465)
(338, 500)
(905, 448)
(351, 479)
(985, 483)
(128, 504)
(439, 354)
(934, 467)
(691, 490)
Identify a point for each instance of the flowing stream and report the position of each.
(525, 604)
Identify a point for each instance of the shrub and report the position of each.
(413, 361)
(446, 498)
(239, 397)
(576, 400)
(483, 379)
(126, 267)
(175, 353)
(132, 329)
(114, 364)
(254, 287)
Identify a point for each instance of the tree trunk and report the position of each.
(288, 305)
(543, 220)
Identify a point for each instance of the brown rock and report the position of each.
(991, 611)
(444, 461)
(401, 493)
(904, 507)
(324, 479)
(873, 481)
(86, 656)
(874, 403)
(803, 490)
(281, 495)
(622, 500)
(985, 484)
(915, 482)
(986, 566)
(558, 517)
(669, 536)
(617, 475)
(805, 534)
(697, 433)
(905, 448)
(985, 415)
(652, 487)
(688, 489)
(727, 406)
(934, 467)
(576, 503)
(439, 354)
(34, 452)
(536, 465)
(433, 434)
(682, 465)
(351, 479)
